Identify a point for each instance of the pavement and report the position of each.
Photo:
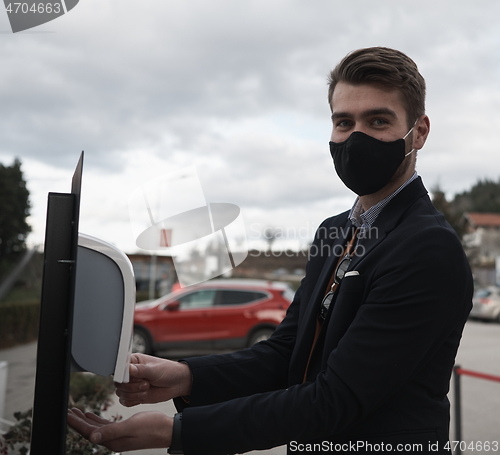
(21, 366)
(21, 370)
(480, 398)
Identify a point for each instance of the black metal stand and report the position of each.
(458, 408)
(48, 433)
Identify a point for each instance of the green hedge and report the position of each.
(18, 322)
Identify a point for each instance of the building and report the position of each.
(154, 274)
(482, 245)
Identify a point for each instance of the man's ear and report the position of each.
(421, 131)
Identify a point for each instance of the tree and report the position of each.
(270, 234)
(483, 197)
(447, 209)
(14, 209)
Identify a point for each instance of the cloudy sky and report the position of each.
(236, 88)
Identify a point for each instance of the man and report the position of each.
(362, 360)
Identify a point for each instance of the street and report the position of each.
(479, 351)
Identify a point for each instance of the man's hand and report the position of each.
(144, 430)
(153, 380)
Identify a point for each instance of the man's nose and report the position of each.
(360, 128)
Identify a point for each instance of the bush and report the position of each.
(18, 323)
(88, 392)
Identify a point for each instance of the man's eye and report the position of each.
(343, 124)
(380, 122)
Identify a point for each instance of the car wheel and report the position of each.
(141, 341)
(260, 335)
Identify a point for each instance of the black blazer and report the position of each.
(388, 347)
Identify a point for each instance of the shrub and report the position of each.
(18, 322)
(88, 392)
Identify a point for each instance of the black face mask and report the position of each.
(366, 164)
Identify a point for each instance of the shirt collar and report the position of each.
(365, 220)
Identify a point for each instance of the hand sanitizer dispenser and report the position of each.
(103, 312)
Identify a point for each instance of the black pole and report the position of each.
(48, 432)
(458, 408)
(48, 429)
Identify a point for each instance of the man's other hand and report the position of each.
(144, 430)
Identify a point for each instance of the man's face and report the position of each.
(367, 108)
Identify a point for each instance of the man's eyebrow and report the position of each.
(367, 113)
(337, 115)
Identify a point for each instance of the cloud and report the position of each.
(238, 88)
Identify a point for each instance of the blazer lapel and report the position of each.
(388, 219)
(335, 251)
(307, 328)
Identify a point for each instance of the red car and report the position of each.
(217, 314)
